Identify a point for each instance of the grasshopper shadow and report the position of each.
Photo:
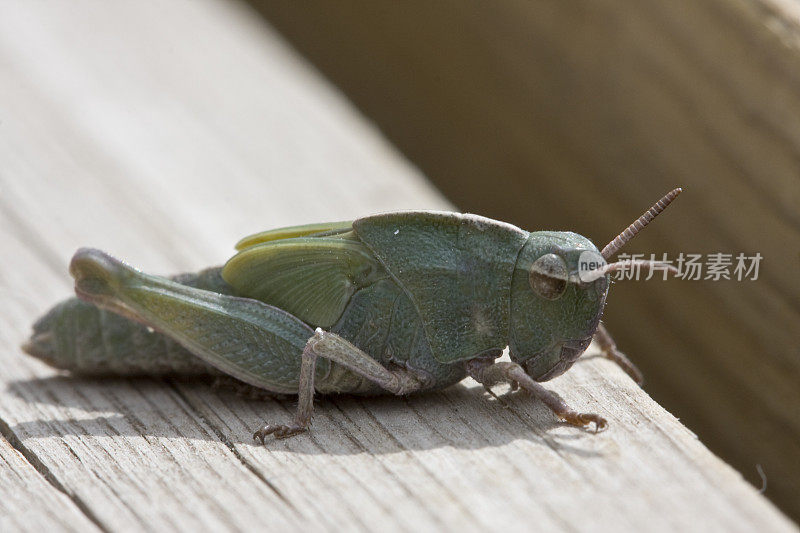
(463, 416)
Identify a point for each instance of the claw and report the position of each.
(280, 431)
(600, 423)
(584, 419)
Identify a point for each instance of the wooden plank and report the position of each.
(578, 115)
(30, 503)
(121, 135)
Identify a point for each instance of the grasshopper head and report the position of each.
(558, 292)
(556, 302)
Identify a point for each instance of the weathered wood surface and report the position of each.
(28, 500)
(162, 134)
(582, 113)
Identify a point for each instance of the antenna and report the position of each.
(638, 225)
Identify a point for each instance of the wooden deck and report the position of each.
(162, 135)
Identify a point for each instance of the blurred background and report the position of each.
(579, 115)
(547, 114)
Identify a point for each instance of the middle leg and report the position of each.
(335, 348)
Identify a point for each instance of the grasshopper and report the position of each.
(392, 303)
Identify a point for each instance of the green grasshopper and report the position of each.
(398, 302)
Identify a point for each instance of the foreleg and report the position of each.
(489, 373)
(609, 350)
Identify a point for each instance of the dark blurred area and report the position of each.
(579, 115)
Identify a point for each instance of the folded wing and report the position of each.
(313, 278)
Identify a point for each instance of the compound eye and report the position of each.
(548, 276)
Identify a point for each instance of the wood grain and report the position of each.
(163, 135)
(29, 502)
(579, 115)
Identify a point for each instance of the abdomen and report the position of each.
(84, 339)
